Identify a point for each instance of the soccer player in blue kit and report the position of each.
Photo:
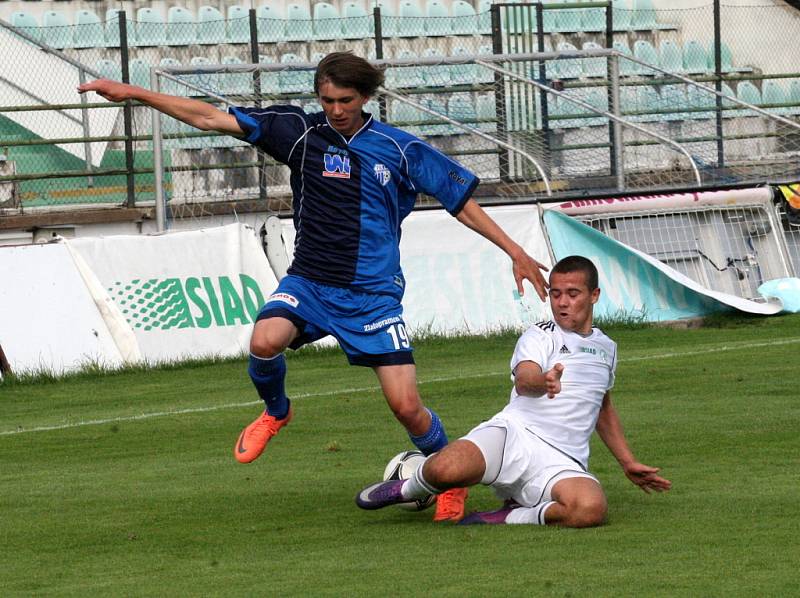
(353, 180)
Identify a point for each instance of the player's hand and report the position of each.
(646, 477)
(113, 91)
(552, 380)
(527, 268)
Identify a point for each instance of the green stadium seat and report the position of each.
(88, 31)
(411, 17)
(699, 98)
(640, 98)
(235, 83)
(295, 81)
(644, 15)
(484, 16)
(593, 67)
(399, 77)
(747, 92)
(727, 91)
(151, 30)
(794, 96)
(298, 24)
(621, 14)
(644, 51)
(270, 80)
(390, 23)
(211, 26)
(181, 27)
(772, 92)
(168, 86)
(626, 67)
(439, 107)
(327, 22)
(486, 111)
(357, 24)
(593, 20)
(673, 102)
(238, 25)
(567, 20)
(568, 68)
(56, 30)
(465, 19)
(435, 75)
(271, 25)
(437, 19)
(461, 107)
(670, 56)
(695, 58)
(406, 117)
(109, 69)
(139, 72)
(726, 58)
(463, 74)
(26, 23)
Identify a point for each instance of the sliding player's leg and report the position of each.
(425, 429)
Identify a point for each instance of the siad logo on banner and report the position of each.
(193, 302)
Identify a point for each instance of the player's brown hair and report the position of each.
(345, 69)
(578, 263)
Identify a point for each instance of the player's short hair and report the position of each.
(345, 69)
(578, 263)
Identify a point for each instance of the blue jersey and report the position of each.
(350, 195)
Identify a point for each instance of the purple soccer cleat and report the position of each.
(381, 495)
(486, 517)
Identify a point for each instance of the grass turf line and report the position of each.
(159, 506)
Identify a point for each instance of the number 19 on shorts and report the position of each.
(399, 336)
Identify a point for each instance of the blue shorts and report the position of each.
(369, 327)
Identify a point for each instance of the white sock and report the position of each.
(529, 515)
(417, 487)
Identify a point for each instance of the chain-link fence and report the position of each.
(43, 164)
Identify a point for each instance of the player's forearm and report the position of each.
(196, 113)
(609, 428)
(530, 385)
(474, 217)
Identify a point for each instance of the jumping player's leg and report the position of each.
(267, 367)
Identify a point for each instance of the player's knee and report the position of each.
(262, 344)
(587, 512)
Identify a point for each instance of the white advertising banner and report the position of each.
(184, 294)
(457, 281)
(49, 320)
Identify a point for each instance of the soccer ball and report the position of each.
(402, 467)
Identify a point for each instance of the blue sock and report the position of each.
(434, 439)
(268, 376)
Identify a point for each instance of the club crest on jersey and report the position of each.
(383, 174)
(337, 166)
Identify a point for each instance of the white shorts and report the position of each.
(529, 467)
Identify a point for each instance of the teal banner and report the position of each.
(636, 285)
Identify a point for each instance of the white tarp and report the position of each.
(184, 294)
(48, 318)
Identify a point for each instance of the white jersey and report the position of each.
(567, 421)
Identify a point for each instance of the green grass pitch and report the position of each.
(125, 484)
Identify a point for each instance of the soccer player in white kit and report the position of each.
(535, 452)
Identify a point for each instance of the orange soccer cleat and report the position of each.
(254, 438)
(450, 505)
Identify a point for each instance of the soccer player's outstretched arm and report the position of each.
(530, 380)
(609, 428)
(200, 115)
(523, 265)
